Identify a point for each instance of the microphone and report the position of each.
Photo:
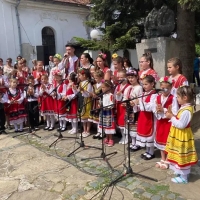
(121, 81)
(162, 90)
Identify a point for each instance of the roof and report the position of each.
(79, 2)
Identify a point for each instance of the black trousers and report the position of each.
(2, 119)
(33, 113)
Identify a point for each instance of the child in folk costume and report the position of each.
(17, 113)
(2, 116)
(31, 95)
(94, 115)
(121, 110)
(47, 103)
(174, 67)
(146, 67)
(85, 104)
(108, 124)
(132, 92)
(118, 64)
(59, 104)
(180, 147)
(164, 101)
(71, 103)
(37, 74)
(57, 61)
(146, 121)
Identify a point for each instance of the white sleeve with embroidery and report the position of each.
(184, 120)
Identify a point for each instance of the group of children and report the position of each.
(126, 100)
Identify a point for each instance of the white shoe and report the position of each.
(122, 140)
(73, 132)
(125, 141)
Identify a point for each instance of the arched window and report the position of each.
(48, 42)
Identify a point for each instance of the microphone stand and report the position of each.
(81, 143)
(60, 136)
(129, 170)
(27, 108)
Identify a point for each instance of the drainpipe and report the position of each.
(18, 25)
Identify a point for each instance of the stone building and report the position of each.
(36, 29)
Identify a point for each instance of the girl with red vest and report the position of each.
(21, 74)
(146, 121)
(71, 103)
(121, 110)
(60, 89)
(146, 67)
(17, 113)
(37, 74)
(174, 67)
(47, 102)
(164, 101)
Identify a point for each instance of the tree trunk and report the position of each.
(186, 35)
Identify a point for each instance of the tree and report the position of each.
(118, 20)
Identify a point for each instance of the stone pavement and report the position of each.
(29, 169)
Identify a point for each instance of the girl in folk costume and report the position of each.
(47, 103)
(132, 92)
(71, 102)
(85, 103)
(146, 67)
(108, 124)
(37, 74)
(102, 65)
(60, 89)
(57, 61)
(180, 147)
(118, 64)
(164, 101)
(146, 121)
(25, 67)
(121, 110)
(174, 67)
(21, 75)
(94, 115)
(17, 113)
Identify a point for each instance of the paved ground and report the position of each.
(29, 169)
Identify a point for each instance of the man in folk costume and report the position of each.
(72, 61)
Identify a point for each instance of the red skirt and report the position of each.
(121, 110)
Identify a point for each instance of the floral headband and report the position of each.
(143, 76)
(166, 79)
(58, 56)
(102, 55)
(57, 72)
(114, 55)
(132, 72)
(81, 71)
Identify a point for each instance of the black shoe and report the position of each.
(36, 129)
(16, 131)
(143, 155)
(63, 129)
(149, 156)
(51, 129)
(100, 137)
(21, 131)
(58, 129)
(46, 128)
(96, 136)
(134, 148)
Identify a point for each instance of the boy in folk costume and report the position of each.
(121, 110)
(164, 101)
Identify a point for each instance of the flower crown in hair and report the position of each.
(114, 55)
(102, 55)
(58, 56)
(166, 79)
(143, 76)
(57, 72)
(131, 72)
(81, 71)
